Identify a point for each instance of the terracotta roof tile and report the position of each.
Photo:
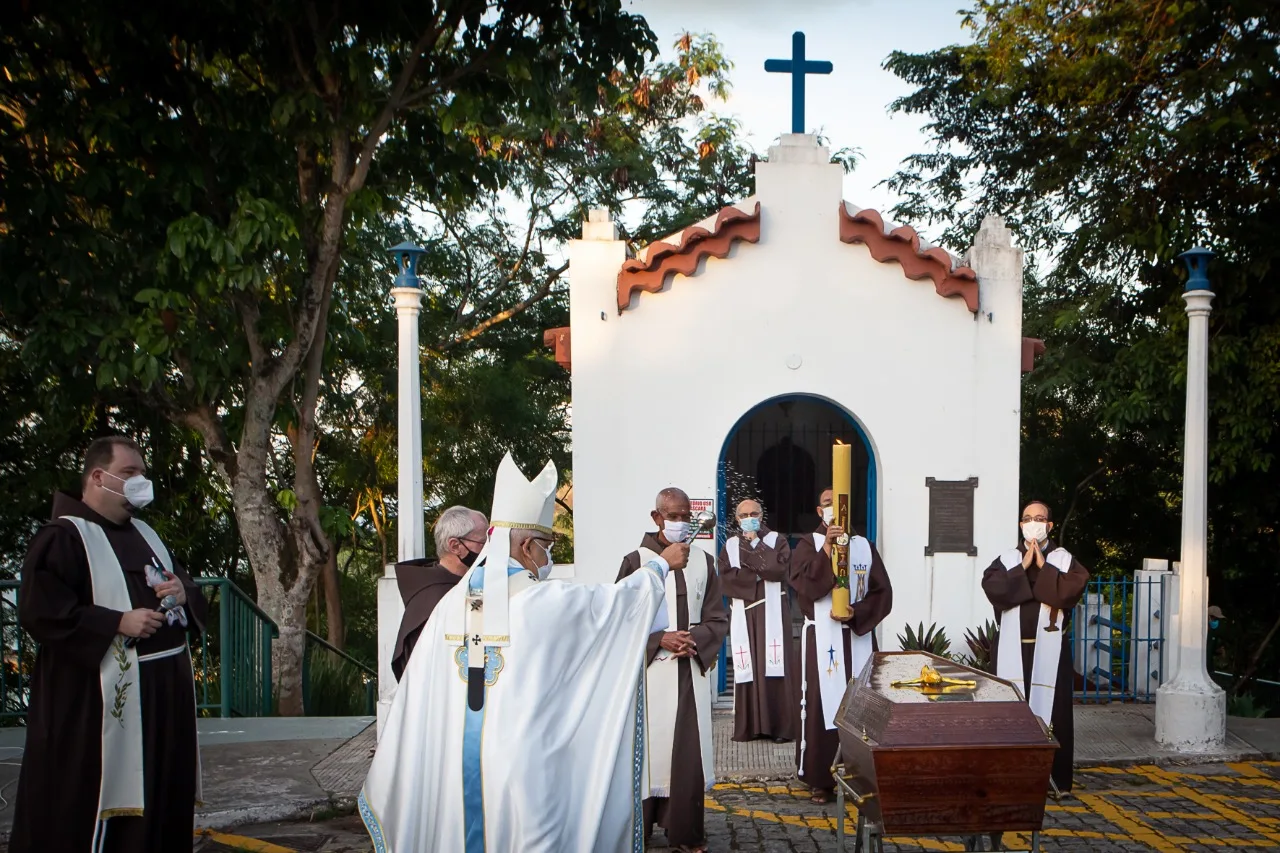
(683, 251)
(558, 340)
(903, 245)
(1032, 348)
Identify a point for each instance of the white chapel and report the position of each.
(727, 358)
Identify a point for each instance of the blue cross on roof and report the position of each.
(797, 66)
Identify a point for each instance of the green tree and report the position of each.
(181, 184)
(1115, 134)
(197, 200)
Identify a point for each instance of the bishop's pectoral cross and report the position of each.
(742, 657)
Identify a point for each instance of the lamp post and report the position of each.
(1191, 710)
(411, 538)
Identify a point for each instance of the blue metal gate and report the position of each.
(1118, 638)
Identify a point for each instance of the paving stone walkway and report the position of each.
(1234, 806)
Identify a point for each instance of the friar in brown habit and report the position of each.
(753, 566)
(820, 693)
(1034, 588)
(682, 653)
(111, 761)
(460, 534)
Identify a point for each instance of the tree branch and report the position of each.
(396, 100)
(1075, 498)
(503, 316)
(249, 316)
(1247, 675)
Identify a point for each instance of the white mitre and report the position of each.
(518, 503)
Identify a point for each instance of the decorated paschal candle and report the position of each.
(841, 474)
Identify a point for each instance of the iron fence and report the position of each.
(233, 675)
(1118, 638)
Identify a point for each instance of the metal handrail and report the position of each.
(369, 676)
(238, 663)
(245, 633)
(244, 597)
(321, 641)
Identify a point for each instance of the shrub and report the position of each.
(934, 641)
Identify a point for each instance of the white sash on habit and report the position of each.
(662, 686)
(120, 788)
(1048, 648)
(740, 639)
(834, 671)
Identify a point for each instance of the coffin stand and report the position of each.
(939, 760)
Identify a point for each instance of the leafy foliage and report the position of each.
(980, 646)
(1245, 705)
(1114, 135)
(933, 641)
(197, 204)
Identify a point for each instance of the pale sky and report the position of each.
(848, 106)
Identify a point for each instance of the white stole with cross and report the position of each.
(834, 671)
(662, 684)
(740, 637)
(120, 790)
(1044, 660)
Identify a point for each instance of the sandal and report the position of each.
(821, 797)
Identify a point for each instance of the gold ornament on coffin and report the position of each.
(933, 682)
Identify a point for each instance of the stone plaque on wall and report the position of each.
(951, 516)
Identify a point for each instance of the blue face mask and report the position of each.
(1213, 623)
(749, 525)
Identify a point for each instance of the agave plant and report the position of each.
(933, 641)
(980, 644)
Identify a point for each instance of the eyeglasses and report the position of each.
(1040, 518)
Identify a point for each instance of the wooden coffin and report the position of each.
(939, 762)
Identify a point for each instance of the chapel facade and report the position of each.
(727, 358)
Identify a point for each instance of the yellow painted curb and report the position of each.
(239, 842)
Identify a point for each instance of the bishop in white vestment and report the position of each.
(517, 726)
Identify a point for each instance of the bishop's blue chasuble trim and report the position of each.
(473, 736)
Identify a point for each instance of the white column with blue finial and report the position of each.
(411, 533)
(1191, 710)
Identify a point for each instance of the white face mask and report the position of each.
(1035, 531)
(828, 514)
(138, 490)
(544, 571)
(675, 531)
